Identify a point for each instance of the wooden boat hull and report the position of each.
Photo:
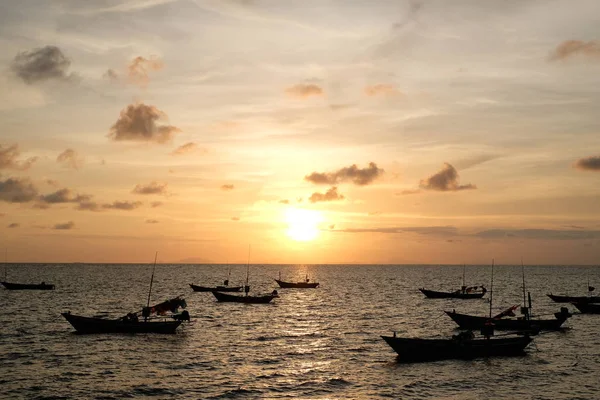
(574, 299)
(27, 286)
(475, 322)
(101, 325)
(413, 349)
(224, 297)
(299, 285)
(197, 288)
(588, 308)
(433, 294)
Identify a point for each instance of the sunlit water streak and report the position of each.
(316, 343)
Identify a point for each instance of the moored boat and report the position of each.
(588, 308)
(465, 321)
(306, 284)
(574, 299)
(103, 325)
(463, 293)
(231, 298)
(27, 286)
(461, 346)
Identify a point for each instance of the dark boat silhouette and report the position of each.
(27, 286)
(574, 299)
(465, 292)
(231, 298)
(306, 284)
(461, 346)
(198, 288)
(588, 308)
(131, 323)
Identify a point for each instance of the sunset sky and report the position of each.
(315, 131)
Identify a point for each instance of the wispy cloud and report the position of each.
(41, 64)
(445, 180)
(185, 149)
(140, 67)
(421, 230)
(152, 221)
(304, 90)
(358, 176)
(572, 48)
(381, 89)
(151, 188)
(588, 164)
(227, 187)
(17, 190)
(14, 225)
(65, 226)
(9, 156)
(70, 159)
(123, 205)
(140, 122)
(552, 234)
(235, 218)
(155, 204)
(331, 195)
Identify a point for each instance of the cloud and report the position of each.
(152, 221)
(381, 90)
(41, 64)
(552, 234)
(421, 230)
(445, 180)
(409, 191)
(155, 204)
(284, 202)
(235, 218)
(352, 173)
(14, 225)
(227, 187)
(303, 90)
(60, 196)
(8, 159)
(571, 48)
(17, 190)
(139, 122)
(52, 182)
(65, 226)
(588, 164)
(151, 188)
(138, 69)
(123, 205)
(70, 159)
(111, 75)
(185, 149)
(331, 195)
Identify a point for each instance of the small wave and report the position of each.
(235, 393)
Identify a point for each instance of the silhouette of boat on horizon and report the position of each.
(574, 299)
(131, 323)
(306, 284)
(461, 346)
(231, 298)
(28, 286)
(465, 292)
(198, 288)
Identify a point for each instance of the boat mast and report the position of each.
(6, 266)
(523, 272)
(247, 288)
(463, 285)
(152, 280)
(492, 289)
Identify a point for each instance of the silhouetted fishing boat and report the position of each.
(27, 286)
(22, 286)
(503, 321)
(231, 298)
(306, 284)
(465, 292)
(131, 323)
(198, 288)
(461, 346)
(574, 299)
(588, 308)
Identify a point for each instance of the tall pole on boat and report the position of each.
(492, 289)
(523, 272)
(6, 266)
(464, 268)
(152, 279)
(247, 288)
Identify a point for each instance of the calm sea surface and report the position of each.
(308, 344)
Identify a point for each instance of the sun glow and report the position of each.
(303, 225)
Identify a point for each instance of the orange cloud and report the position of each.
(138, 69)
(70, 159)
(227, 187)
(331, 195)
(8, 159)
(381, 90)
(151, 188)
(139, 122)
(358, 176)
(444, 181)
(571, 48)
(303, 90)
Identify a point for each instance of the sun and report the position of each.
(303, 225)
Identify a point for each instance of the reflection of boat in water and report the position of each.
(27, 286)
(461, 346)
(465, 292)
(131, 323)
(306, 284)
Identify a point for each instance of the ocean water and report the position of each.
(308, 344)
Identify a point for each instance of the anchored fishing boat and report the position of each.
(224, 288)
(465, 292)
(22, 286)
(306, 284)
